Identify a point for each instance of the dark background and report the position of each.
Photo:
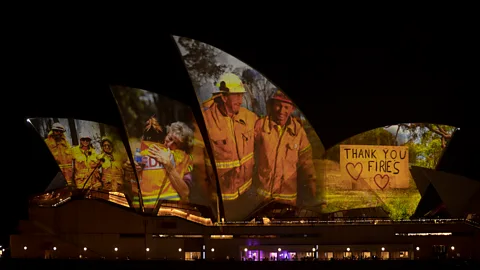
(346, 78)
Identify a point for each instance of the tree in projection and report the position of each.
(134, 112)
(426, 142)
(200, 61)
(258, 88)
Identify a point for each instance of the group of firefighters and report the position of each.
(255, 157)
(81, 165)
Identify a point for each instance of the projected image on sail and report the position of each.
(90, 155)
(371, 169)
(168, 149)
(263, 146)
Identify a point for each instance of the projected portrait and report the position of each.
(263, 147)
(169, 153)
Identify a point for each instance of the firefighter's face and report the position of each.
(281, 111)
(85, 142)
(107, 147)
(57, 133)
(171, 141)
(233, 102)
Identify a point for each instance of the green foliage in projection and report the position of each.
(427, 142)
(134, 112)
(401, 203)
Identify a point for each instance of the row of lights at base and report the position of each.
(246, 249)
(115, 249)
(279, 249)
(417, 248)
(348, 249)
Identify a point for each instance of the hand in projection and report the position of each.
(160, 155)
(127, 166)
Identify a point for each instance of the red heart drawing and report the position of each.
(352, 170)
(380, 179)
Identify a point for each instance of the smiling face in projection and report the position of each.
(281, 111)
(233, 102)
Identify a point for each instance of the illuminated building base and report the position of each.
(95, 229)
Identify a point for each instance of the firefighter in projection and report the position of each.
(85, 161)
(112, 173)
(167, 167)
(231, 131)
(61, 151)
(283, 155)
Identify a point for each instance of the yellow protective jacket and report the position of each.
(232, 141)
(155, 183)
(281, 155)
(112, 173)
(62, 152)
(85, 162)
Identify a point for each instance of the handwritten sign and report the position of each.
(375, 167)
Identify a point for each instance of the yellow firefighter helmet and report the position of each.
(229, 83)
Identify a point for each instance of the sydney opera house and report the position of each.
(244, 175)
